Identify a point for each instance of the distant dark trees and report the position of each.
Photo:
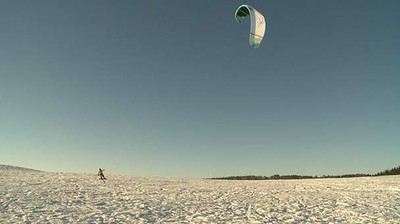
(347, 175)
(394, 171)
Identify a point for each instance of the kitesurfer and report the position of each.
(101, 174)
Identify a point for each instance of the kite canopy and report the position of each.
(258, 24)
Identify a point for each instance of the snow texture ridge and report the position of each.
(44, 197)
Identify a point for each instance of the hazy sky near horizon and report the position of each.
(172, 88)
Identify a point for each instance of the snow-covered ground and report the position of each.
(43, 197)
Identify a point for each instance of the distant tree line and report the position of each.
(394, 171)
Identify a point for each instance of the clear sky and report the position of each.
(172, 88)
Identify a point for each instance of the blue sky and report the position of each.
(157, 88)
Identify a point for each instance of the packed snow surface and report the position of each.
(43, 197)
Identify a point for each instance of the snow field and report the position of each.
(43, 197)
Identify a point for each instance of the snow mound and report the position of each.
(16, 168)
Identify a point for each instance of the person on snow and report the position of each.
(101, 174)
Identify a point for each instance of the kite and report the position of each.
(257, 25)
